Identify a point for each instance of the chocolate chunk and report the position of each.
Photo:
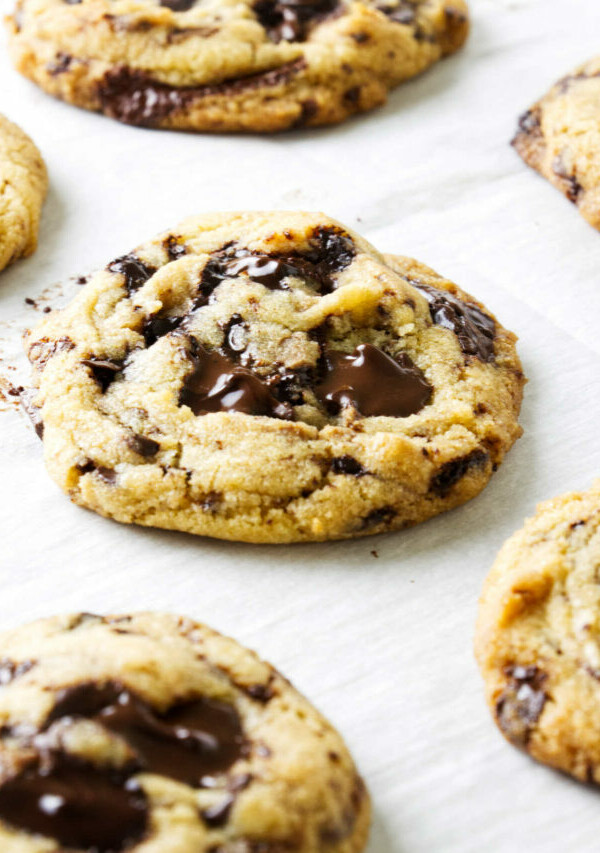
(288, 386)
(474, 329)
(43, 350)
(142, 445)
(270, 271)
(347, 465)
(76, 804)
(383, 515)
(178, 5)
(62, 63)
(235, 335)
(34, 412)
(174, 248)
(330, 250)
(216, 384)
(134, 97)
(373, 383)
(530, 122)
(107, 474)
(402, 12)
(157, 327)
(260, 692)
(291, 20)
(135, 271)
(9, 670)
(521, 703)
(451, 472)
(191, 740)
(308, 110)
(571, 185)
(104, 370)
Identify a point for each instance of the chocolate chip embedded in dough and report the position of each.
(521, 703)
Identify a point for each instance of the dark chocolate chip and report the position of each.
(330, 250)
(134, 97)
(107, 474)
(373, 383)
(474, 329)
(377, 517)
(216, 384)
(521, 703)
(34, 412)
(352, 95)
(104, 370)
(190, 741)
(76, 804)
(308, 110)
(40, 352)
(62, 63)
(9, 670)
(530, 123)
(260, 692)
(142, 445)
(174, 248)
(178, 5)
(135, 271)
(347, 465)
(452, 472)
(291, 20)
(235, 336)
(402, 12)
(571, 185)
(156, 327)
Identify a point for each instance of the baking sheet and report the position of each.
(378, 633)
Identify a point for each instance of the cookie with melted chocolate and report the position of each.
(255, 65)
(538, 635)
(271, 378)
(124, 732)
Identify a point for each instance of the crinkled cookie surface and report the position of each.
(220, 65)
(270, 377)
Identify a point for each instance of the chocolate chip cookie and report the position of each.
(23, 187)
(270, 377)
(152, 732)
(253, 65)
(538, 635)
(560, 138)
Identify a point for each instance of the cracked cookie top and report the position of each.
(22, 193)
(538, 635)
(560, 138)
(272, 377)
(248, 65)
(152, 732)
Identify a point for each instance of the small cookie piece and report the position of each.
(559, 137)
(538, 635)
(270, 377)
(23, 187)
(154, 733)
(253, 65)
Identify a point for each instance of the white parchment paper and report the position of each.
(382, 644)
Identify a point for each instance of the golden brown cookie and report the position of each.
(538, 635)
(153, 733)
(560, 138)
(249, 65)
(270, 377)
(23, 187)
